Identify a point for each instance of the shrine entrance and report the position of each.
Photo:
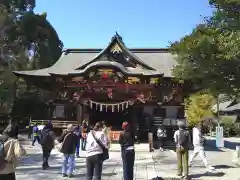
(113, 114)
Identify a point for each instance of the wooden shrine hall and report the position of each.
(114, 84)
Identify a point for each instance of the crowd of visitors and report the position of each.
(96, 142)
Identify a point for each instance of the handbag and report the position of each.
(105, 153)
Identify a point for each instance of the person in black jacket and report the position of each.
(69, 142)
(126, 140)
(47, 138)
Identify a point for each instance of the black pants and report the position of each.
(128, 158)
(161, 142)
(46, 154)
(94, 167)
(10, 176)
(35, 138)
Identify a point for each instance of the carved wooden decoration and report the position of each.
(77, 79)
(133, 80)
(154, 80)
(116, 49)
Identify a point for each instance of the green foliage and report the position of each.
(198, 106)
(228, 124)
(21, 30)
(209, 56)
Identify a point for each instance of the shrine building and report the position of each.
(113, 84)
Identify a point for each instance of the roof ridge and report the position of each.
(97, 50)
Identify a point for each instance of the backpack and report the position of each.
(45, 137)
(183, 138)
(2, 156)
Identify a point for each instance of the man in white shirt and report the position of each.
(198, 143)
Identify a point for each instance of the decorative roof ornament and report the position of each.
(117, 36)
(116, 49)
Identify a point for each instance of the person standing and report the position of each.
(35, 135)
(94, 152)
(182, 139)
(85, 130)
(126, 140)
(69, 142)
(79, 135)
(11, 152)
(198, 144)
(161, 134)
(47, 141)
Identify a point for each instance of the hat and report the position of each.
(70, 127)
(124, 125)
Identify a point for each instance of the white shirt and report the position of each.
(197, 137)
(92, 147)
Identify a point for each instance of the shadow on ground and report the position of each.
(209, 174)
(222, 166)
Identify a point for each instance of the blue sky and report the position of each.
(142, 23)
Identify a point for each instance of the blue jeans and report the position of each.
(68, 163)
(78, 147)
(83, 145)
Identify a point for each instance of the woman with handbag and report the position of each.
(96, 152)
(126, 140)
(68, 142)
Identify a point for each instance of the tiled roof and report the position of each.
(159, 59)
(151, 61)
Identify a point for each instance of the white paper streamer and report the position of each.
(120, 106)
(91, 104)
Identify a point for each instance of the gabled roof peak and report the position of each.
(117, 37)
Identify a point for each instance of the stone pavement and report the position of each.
(147, 165)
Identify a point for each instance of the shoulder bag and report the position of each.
(105, 154)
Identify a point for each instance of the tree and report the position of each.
(210, 55)
(198, 106)
(22, 31)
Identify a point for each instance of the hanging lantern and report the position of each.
(123, 106)
(96, 105)
(112, 107)
(127, 104)
(106, 106)
(101, 107)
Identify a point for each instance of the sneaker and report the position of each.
(210, 168)
(64, 175)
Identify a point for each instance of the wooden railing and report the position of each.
(55, 123)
